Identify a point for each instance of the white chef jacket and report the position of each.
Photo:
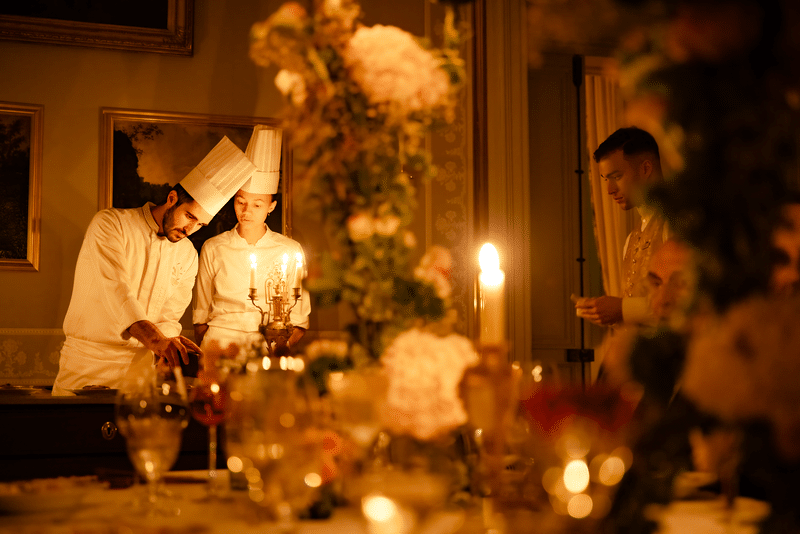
(125, 273)
(223, 282)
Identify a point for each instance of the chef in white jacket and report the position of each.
(221, 310)
(134, 277)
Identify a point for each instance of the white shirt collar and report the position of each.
(646, 213)
(147, 213)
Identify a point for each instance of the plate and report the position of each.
(92, 392)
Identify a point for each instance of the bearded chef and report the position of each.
(221, 309)
(134, 278)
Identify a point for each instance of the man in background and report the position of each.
(629, 162)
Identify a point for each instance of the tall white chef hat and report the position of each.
(264, 149)
(218, 176)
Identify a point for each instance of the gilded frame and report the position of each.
(198, 132)
(27, 204)
(176, 38)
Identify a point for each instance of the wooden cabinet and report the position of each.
(45, 436)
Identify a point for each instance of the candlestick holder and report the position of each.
(275, 326)
(488, 390)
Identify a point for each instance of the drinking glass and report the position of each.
(277, 442)
(151, 413)
(208, 402)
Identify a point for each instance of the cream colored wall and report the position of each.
(73, 83)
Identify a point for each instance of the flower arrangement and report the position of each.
(424, 371)
(358, 102)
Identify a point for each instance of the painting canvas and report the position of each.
(145, 153)
(20, 182)
(161, 26)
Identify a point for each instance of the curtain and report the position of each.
(611, 224)
(604, 115)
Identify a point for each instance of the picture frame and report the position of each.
(21, 133)
(144, 153)
(160, 26)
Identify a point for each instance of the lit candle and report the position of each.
(283, 266)
(298, 270)
(253, 267)
(492, 288)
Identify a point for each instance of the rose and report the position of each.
(291, 83)
(360, 226)
(391, 67)
(434, 268)
(289, 14)
(387, 225)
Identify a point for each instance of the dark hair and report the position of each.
(183, 196)
(632, 141)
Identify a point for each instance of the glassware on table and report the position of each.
(208, 402)
(275, 437)
(355, 402)
(151, 413)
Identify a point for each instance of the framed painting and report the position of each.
(21, 184)
(144, 153)
(162, 26)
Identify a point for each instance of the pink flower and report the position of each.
(744, 365)
(360, 226)
(387, 225)
(391, 67)
(434, 268)
(424, 372)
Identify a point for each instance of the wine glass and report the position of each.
(207, 403)
(151, 413)
(278, 441)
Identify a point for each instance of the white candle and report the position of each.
(298, 270)
(253, 267)
(283, 266)
(492, 303)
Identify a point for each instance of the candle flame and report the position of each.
(299, 259)
(253, 263)
(488, 258)
(285, 258)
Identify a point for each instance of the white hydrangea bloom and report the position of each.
(391, 67)
(424, 372)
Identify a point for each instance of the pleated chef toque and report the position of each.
(218, 176)
(264, 149)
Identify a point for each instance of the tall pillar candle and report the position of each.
(492, 292)
(253, 267)
(298, 270)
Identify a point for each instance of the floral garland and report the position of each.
(358, 103)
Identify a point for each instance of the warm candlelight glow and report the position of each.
(283, 266)
(492, 292)
(253, 267)
(298, 270)
(488, 258)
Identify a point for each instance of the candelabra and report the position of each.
(275, 325)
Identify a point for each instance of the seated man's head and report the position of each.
(252, 209)
(785, 275)
(668, 278)
(628, 161)
(183, 215)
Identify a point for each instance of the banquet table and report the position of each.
(102, 510)
(110, 511)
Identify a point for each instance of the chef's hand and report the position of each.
(172, 350)
(603, 311)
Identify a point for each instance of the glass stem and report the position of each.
(212, 449)
(152, 489)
